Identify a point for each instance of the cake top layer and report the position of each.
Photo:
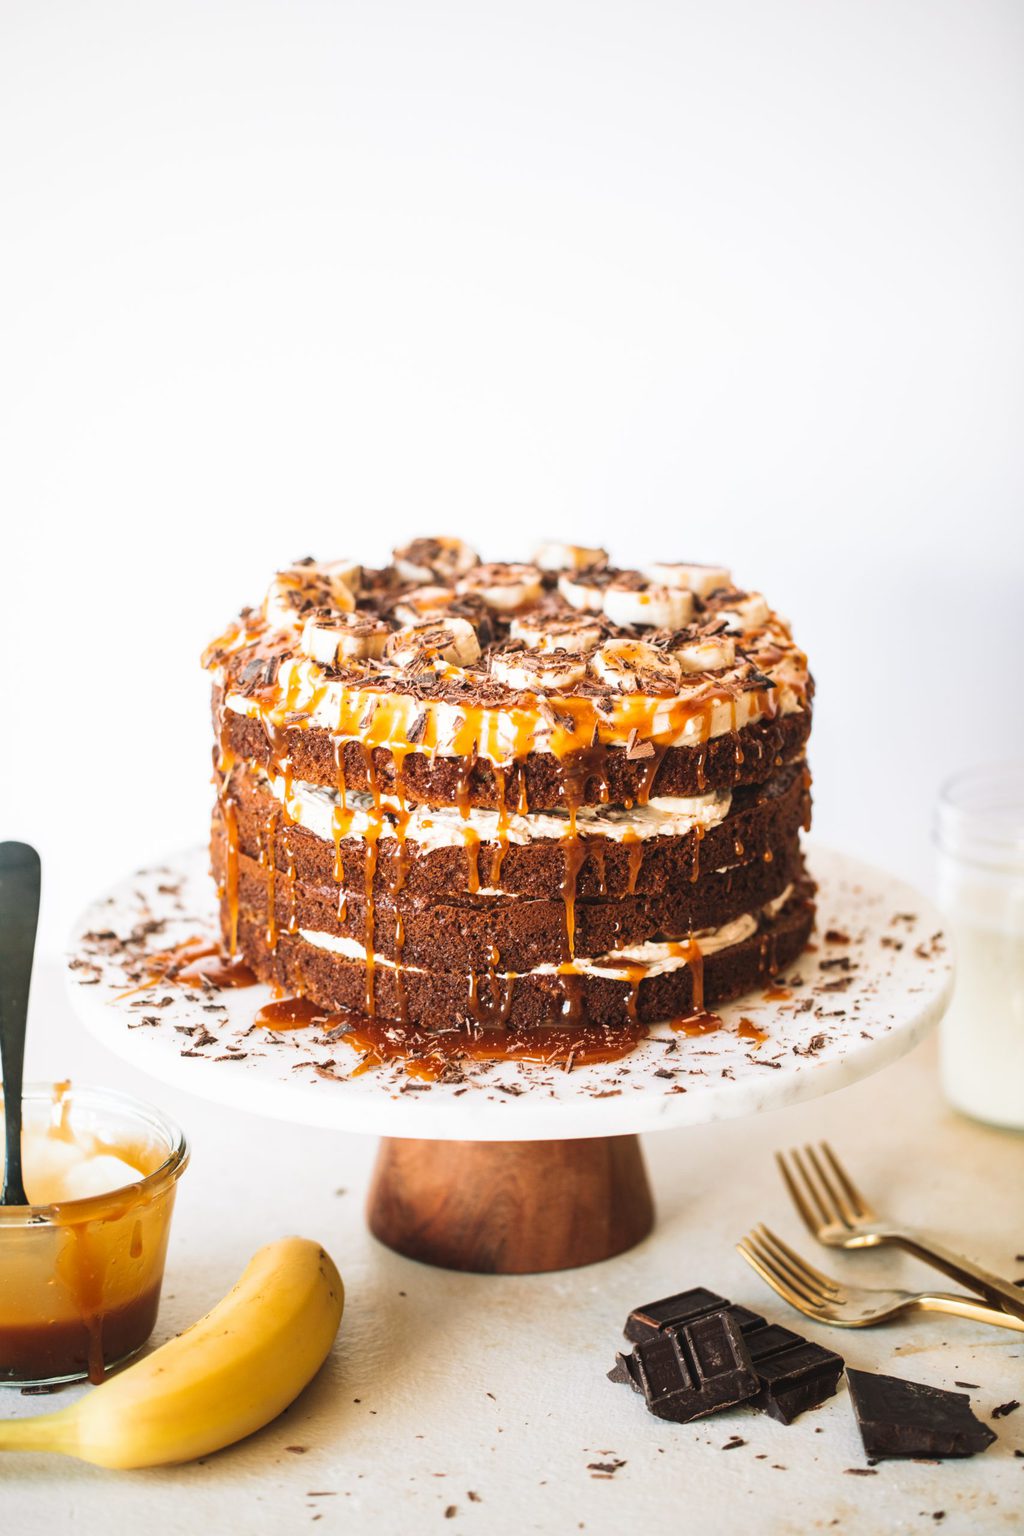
(548, 655)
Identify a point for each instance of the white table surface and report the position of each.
(487, 1396)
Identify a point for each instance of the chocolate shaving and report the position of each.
(754, 679)
(418, 729)
(637, 749)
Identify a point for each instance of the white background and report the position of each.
(727, 281)
(722, 279)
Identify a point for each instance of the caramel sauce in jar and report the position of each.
(80, 1275)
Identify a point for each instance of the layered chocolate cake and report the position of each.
(548, 803)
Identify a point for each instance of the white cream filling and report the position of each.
(315, 807)
(652, 958)
(329, 704)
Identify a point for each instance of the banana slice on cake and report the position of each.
(434, 560)
(453, 641)
(534, 672)
(330, 638)
(309, 584)
(568, 557)
(584, 590)
(545, 634)
(631, 599)
(505, 588)
(633, 666)
(700, 579)
(744, 611)
(707, 655)
(421, 603)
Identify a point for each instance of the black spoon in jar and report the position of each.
(19, 912)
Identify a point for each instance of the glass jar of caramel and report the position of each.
(82, 1266)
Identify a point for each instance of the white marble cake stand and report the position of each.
(521, 1166)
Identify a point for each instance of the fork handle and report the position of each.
(1001, 1293)
(963, 1306)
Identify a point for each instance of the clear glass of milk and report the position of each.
(979, 832)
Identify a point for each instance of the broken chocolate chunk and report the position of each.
(625, 1371)
(744, 1319)
(793, 1374)
(909, 1418)
(767, 1339)
(671, 1312)
(688, 1372)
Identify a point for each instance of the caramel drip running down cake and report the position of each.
(551, 802)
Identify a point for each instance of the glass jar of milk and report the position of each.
(979, 830)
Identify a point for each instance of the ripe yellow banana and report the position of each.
(226, 1376)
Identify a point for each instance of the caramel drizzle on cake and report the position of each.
(561, 704)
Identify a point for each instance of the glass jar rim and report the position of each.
(980, 815)
(68, 1212)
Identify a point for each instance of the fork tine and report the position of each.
(826, 1212)
(829, 1288)
(844, 1211)
(800, 1276)
(861, 1209)
(808, 1294)
(796, 1194)
(776, 1275)
(769, 1276)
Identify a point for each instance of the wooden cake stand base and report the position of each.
(510, 1207)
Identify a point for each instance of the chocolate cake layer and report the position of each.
(440, 999)
(761, 818)
(602, 775)
(512, 932)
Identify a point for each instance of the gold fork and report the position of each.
(826, 1300)
(837, 1214)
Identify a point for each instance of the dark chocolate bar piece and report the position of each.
(794, 1374)
(625, 1371)
(767, 1339)
(744, 1317)
(700, 1368)
(797, 1376)
(671, 1312)
(908, 1418)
